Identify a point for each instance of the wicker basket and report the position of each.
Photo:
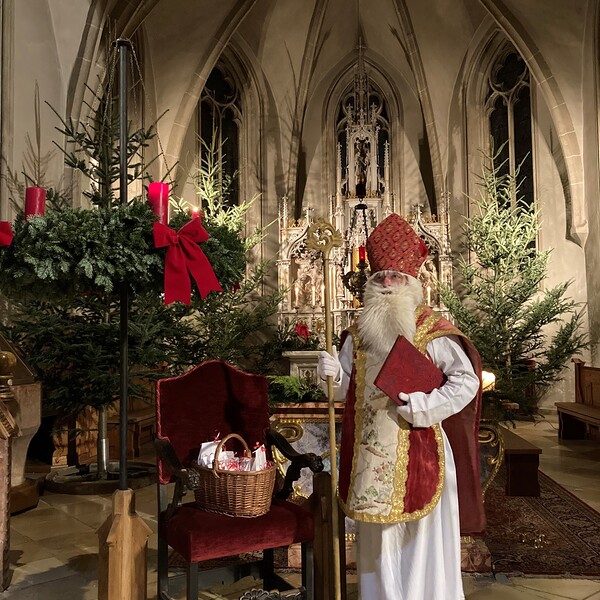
(234, 493)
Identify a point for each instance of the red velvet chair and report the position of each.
(217, 398)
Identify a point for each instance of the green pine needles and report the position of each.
(63, 272)
(71, 251)
(97, 154)
(524, 333)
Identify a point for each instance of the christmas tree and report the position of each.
(63, 271)
(524, 332)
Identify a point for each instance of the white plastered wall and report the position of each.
(40, 43)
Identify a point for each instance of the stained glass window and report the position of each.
(219, 118)
(509, 108)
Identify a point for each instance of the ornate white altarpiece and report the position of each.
(364, 151)
(300, 270)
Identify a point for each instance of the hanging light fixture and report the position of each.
(356, 239)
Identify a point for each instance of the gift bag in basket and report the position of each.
(234, 493)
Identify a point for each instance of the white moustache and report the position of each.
(388, 313)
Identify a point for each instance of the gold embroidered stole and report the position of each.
(379, 493)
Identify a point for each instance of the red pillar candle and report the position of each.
(362, 256)
(195, 213)
(158, 196)
(35, 201)
(6, 233)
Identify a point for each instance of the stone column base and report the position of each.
(24, 496)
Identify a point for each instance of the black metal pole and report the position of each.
(123, 46)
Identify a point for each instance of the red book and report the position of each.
(407, 370)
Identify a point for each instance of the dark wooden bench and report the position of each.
(522, 460)
(580, 420)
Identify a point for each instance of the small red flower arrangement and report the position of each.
(295, 335)
(302, 330)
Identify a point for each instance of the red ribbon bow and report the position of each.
(6, 234)
(183, 255)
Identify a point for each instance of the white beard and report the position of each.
(388, 313)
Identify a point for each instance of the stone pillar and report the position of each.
(24, 491)
(4, 509)
(8, 429)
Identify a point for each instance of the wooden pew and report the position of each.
(522, 460)
(581, 419)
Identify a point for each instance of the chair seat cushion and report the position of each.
(200, 535)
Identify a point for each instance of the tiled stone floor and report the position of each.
(54, 547)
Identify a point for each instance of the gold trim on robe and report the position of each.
(423, 336)
(379, 475)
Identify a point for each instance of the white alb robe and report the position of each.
(419, 560)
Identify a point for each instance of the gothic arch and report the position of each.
(266, 178)
(488, 47)
(237, 62)
(126, 19)
(306, 70)
(464, 158)
(237, 59)
(414, 58)
(107, 20)
(561, 117)
(187, 107)
(489, 43)
(234, 62)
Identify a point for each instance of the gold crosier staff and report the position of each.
(322, 237)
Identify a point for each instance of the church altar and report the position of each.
(300, 270)
(366, 190)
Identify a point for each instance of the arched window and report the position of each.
(508, 105)
(219, 118)
(363, 137)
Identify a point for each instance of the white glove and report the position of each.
(405, 411)
(329, 365)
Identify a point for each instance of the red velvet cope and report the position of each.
(462, 431)
(423, 465)
(212, 399)
(423, 469)
(199, 535)
(459, 429)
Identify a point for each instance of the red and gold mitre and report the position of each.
(393, 244)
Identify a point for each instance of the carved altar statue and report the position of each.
(309, 286)
(430, 280)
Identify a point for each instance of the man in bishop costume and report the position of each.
(409, 466)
